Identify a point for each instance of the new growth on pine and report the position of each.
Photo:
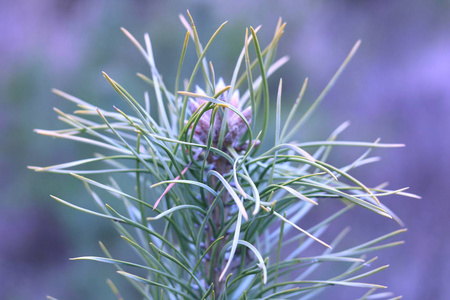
(211, 213)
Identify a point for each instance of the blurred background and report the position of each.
(397, 87)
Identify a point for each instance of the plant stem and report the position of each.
(219, 215)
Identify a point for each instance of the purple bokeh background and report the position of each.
(397, 87)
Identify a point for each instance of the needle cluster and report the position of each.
(210, 214)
